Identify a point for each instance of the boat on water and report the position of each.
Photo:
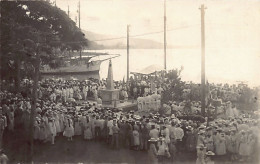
(75, 67)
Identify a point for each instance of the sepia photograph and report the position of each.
(130, 81)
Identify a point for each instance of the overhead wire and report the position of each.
(132, 36)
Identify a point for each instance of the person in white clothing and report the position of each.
(85, 92)
(53, 131)
(110, 131)
(178, 137)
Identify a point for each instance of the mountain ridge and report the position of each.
(103, 41)
(114, 42)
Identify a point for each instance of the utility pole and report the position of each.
(203, 94)
(79, 28)
(165, 34)
(79, 14)
(68, 11)
(128, 53)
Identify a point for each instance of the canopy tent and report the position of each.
(149, 70)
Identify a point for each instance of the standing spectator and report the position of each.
(201, 151)
(97, 128)
(152, 152)
(178, 137)
(53, 131)
(154, 133)
(232, 144)
(69, 130)
(191, 140)
(144, 136)
(115, 137)
(136, 139)
(87, 129)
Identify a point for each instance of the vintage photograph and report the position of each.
(130, 81)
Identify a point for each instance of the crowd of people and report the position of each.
(59, 112)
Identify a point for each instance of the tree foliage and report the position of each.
(30, 27)
(173, 86)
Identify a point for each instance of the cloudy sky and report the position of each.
(229, 23)
(232, 26)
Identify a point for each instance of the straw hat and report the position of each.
(152, 140)
(189, 128)
(210, 153)
(201, 132)
(202, 126)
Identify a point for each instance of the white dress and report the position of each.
(61, 122)
(87, 131)
(52, 127)
(78, 130)
(69, 129)
(42, 135)
(57, 124)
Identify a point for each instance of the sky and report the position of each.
(228, 23)
(231, 26)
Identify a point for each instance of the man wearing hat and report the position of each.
(191, 140)
(98, 125)
(209, 139)
(154, 133)
(144, 136)
(129, 134)
(115, 137)
(220, 146)
(208, 159)
(152, 152)
(201, 151)
(232, 144)
(179, 133)
(123, 132)
(110, 132)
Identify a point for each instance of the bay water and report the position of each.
(225, 65)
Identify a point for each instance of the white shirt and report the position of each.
(110, 125)
(179, 133)
(154, 133)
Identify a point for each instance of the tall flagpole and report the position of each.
(165, 34)
(79, 14)
(68, 11)
(127, 53)
(79, 28)
(203, 94)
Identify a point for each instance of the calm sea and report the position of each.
(222, 65)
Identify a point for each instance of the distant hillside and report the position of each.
(119, 43)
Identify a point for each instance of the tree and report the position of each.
(39, 22)
(175, 88)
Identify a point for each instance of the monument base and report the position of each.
(110, 97)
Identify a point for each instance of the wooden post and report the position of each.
(127, 77)
(165, 35)
(79, 14)
(68, 11)
(79, 28)
(203, 94)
